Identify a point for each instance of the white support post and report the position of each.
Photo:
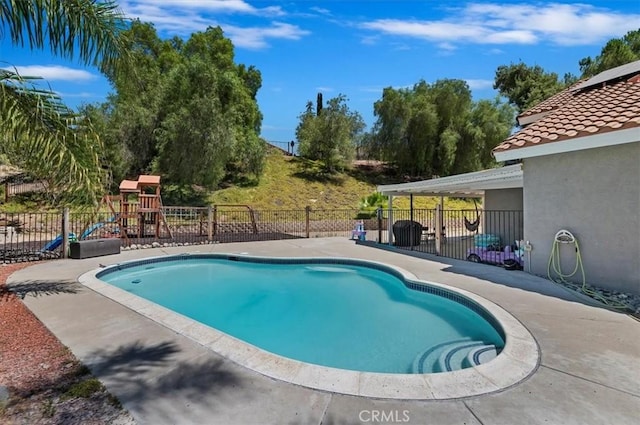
(438, 228)
(483, 224)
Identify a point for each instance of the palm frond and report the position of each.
(89, 29)
(42, 135)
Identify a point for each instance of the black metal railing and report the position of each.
(30, 236)
(34, 236)
(461, 232)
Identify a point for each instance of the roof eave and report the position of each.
(460, 185)
(610, 138)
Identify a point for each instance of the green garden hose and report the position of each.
(565, 237)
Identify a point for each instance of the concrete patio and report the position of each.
(589, 371)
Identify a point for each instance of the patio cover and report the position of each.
(460, 185)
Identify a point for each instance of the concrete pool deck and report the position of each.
(589, 371)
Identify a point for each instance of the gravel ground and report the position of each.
(41, 382)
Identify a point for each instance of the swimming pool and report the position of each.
(343, 314)
(518, 359)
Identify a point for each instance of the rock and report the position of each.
(4, 395)
(133, 246)
(155, 244)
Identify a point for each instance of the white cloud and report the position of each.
(495, 51)
(370, 40)
(371, 89)
(447, 46)
(183, 17)
(217, 6)
(424, 29)
(508, 23)
(479, 84)
(256, 37)
(325, 89)
(321, 10)
(54, 73)
(83, 95)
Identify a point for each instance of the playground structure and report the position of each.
(137, 209)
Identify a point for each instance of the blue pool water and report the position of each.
(338, 315)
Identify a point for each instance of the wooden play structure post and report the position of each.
(138, 204)
(128, 207)
(149, 204)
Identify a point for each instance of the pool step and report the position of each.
(454, 355)
(480, 355)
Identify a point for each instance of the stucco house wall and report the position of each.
(503, 214)
(503, 199)
(595, 194)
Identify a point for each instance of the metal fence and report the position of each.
(17, 188)
(29, 236)
(34, 236)
(40, 235)
(464, 234)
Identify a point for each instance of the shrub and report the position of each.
(369, 205)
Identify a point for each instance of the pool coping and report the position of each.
(518, 360)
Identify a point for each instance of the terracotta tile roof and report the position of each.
(553, 102)
(594, 110)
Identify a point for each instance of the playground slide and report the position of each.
(95, 227)
(57, 242)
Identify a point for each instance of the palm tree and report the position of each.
(38, 132)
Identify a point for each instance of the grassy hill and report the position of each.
(293, 183)
(288, 183)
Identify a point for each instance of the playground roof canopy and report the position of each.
(460, 185)
(129, 186)
(147, 180)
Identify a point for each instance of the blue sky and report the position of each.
(357, 48)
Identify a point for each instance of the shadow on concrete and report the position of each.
(498, 275)
(39, 288)
(129, 374)
(132, 359)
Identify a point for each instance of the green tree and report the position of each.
(195, 142)
(114, 156)
(437, 129)
(526, 86)
(492, 121)
(185, 110)
(135, 109)
(616, 52)
(39, 133)
(406, 128)
(329, 134)
(452, 99)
